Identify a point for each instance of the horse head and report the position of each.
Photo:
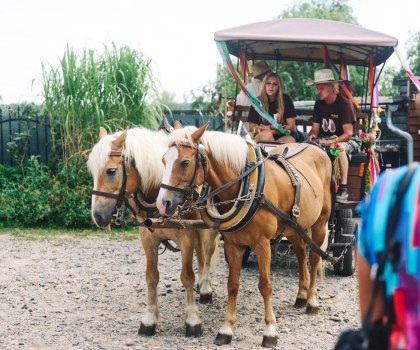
(115, 178)
(185, 168)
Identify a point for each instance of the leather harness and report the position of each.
(259, 197)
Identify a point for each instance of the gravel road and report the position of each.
(89, 293)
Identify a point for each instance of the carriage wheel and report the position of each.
(245, 257)
(344, 214)
(347, 265)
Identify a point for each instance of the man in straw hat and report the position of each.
(334, 122)
(259, 70)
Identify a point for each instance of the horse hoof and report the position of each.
(269, 342)
(193, 331)
(206, 298)
(300, 303)
(147, 330)
(223, 339)
(312, 310)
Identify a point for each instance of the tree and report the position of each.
(295, 74)
(324, 9)
(387, 87)
(413, 52)
(214, 95)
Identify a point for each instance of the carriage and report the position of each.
(335, 45)
(233, 173)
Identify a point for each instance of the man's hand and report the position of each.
(264, 127)
(325, 142)
(311, 137)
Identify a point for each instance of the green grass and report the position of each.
(128, 234)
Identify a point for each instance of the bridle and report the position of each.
(200, 160)
(122, 200)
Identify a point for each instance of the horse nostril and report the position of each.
(98, 219)
(167, 204)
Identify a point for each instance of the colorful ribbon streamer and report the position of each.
(345, 75)
(405, 66)
(256, 103)
(373, 170)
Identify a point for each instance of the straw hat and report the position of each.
(322, 76)
(259, 68)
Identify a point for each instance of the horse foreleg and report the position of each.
(150, 317)
(318, 235)
(299, 247)
(192, 320)
(206, 245)
(263, 253)
(234, 256)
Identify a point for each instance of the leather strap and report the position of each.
(299, 230)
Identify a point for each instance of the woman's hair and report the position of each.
(279, 98)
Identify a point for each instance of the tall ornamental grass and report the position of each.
(87, 91)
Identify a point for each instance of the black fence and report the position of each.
(24, 136)
(198, 119)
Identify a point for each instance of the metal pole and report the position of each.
(403, 134)
(179, 224)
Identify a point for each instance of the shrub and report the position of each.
(43, 198)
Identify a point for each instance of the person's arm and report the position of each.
(365, 291)
(313, 134)
(289, 113)
(290, 124)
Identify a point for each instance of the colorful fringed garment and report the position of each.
(402, 278)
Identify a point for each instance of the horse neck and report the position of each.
(151, 194)
(220, 174)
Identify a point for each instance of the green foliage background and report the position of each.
(38, 196)
(84, 91)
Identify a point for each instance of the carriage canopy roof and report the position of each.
(301, 39)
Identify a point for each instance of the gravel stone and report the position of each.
(66, 293)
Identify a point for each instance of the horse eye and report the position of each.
(184, 163)
(111, 171)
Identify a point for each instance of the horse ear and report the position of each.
(120, 141)
(196, 135)
(102, 133)
(178, 125)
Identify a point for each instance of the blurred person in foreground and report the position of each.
(395, 307)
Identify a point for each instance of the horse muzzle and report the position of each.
(168, 205)
(102, 215)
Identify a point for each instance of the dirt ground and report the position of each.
(89, 293)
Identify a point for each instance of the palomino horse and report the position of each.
(128, 163)
(225, 159)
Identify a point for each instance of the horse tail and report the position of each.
(215, 259)
(322, 267)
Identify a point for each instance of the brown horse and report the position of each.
(226, 158)
(127, 163)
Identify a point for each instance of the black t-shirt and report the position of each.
(289, 111)
(331, 117)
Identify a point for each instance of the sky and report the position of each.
(177, 36)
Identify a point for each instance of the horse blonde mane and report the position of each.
(230, 149)
(143, 146)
